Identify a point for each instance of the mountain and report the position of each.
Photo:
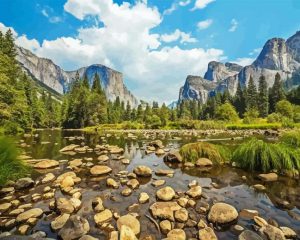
(51, 75)
(277, 56)
(173, 105)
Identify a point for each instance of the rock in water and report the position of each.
(165, 194)
(75, 228)
(164, 210)
(32, 213)
(23, 183)
(249, 235)
(222, 213)
(207, 234)
(100, 170)
(268, 177)
(176, 234)
(44, 164)
(126, 233)
(131, 222)
(143, 171)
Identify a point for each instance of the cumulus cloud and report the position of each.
(175, 5)
(200, 4)
(204, 24)
(124, 42)
(22, 41)
(234, 24)
(184, 3)
(176, 35)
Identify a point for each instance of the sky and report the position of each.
(154, 43)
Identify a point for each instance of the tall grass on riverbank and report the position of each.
(263, 156)
(191, 152)
(291, 138)
(11, 168)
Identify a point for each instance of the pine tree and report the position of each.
(96, 86)
(127, 114)
(140, 113)
(251, 95)
(276, 93)
(85, 81)
(239, 101)
(263, 97)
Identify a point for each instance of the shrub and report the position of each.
(262, 156)
(226, 112)
(254, 126)
(285, 108)
(274, 117)
(251, 116)
(11, 168)
(191, 152)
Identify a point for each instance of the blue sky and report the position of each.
(155, 43)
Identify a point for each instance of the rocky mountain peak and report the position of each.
(293, 44)
(217, 71)
(47, 72)
(274, 56)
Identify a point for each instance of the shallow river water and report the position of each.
(228, 184)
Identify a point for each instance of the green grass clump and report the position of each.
(242, 126)
(262, 156)
(191, 152)
(11, 168)
(291, 138)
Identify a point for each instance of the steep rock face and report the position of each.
(277, 56)
(111, 81)
(217, 71)
(196, 88)
(47, 72)
(43, 70)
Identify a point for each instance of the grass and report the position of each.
(242, 126)
(263, 156)
(191, 152)
(11, 168)
(291, 138)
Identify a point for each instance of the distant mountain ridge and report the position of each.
(54, 77)
(277, 56)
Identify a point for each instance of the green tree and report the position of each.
(240, 101)
(263, 97)
(251, 95)
(276, 93)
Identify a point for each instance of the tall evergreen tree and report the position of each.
(263, 97)
(276, 93)
(239, 101)
(251, 95)
(85, 82)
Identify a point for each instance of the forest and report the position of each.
(25, 105)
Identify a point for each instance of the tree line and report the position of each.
(23, 105)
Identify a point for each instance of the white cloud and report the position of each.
(234, 24)
(176, 35)
(184, 3)
(22, 41)
(255, 51)
(48, 12)
(124, 42)
(204, 24)
(244, 61)
(200, 4)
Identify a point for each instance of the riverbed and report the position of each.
(219, 184)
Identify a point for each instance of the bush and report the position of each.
(11, 168)
(262, 156)
(274, 117)
(251, 116)
(226, 112)
(285, 108)
(191, 152)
